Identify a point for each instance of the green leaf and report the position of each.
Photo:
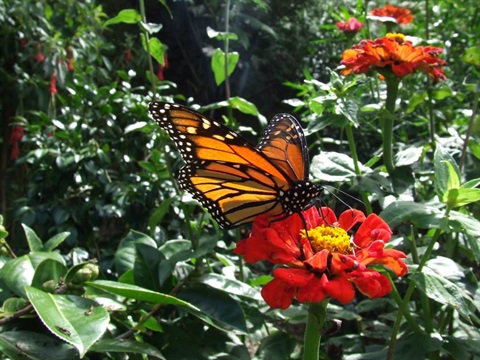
(444, 172)
(152, 28)
(276, 346)
(138, 293)
(54, 241)
(243, 106)
(421, 215)
(331, 166)
(471, 184)
(408, 156)
(461, 197)
(135, 126)
(127, 16)
(442, 290)
(229, 286)
(218, 65)
(34, 242)
(218, 35)
(157, 50)
(48, 270)
(158, 215)
(145, 269)
(75, 320)
(126, 252)
(126, 346)
(472, 55)
(35, 346)
(217, 305)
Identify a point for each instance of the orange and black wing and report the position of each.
(284, 143)
(233, 180)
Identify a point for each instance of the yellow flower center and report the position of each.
(334, 239)
(399, 38)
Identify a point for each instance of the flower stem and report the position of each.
(411, 288)
(353, 152)
(392, 92)
(315, 321)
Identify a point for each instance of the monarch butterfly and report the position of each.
(232, 179)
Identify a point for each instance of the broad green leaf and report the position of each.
(471, 184)
(230, 286)
(443, 172)
(472, 55)
(453, 177)
(349, 109)
(243, 105)
(218, 65)
(145, 269)
(48, 270)
(331, 166)
(177, 250)
(17, 273)
(408, 156)
(157, 50)
(31, 345)
(416, 346)
(12, 305)
(126, 253)
(442, 290)
(421, 215)
(138, 293)
(152, 28)
(127, 16)
(461, 197)
(54, 241)
(34, 242)
(220, 35)
(135, 126)
(125, 346)
(75, 320)
(158, 215)
(217, 305)
(279, 345)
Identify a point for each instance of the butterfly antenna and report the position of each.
(331, 190)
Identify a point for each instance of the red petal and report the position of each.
(339, 288)
(342, 262)
(349, 218)
(373, 222)
(277, 294)
(372, 283)
(319, 261)
(312, 292)
(293, 277)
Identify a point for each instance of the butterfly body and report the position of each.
(232, 179)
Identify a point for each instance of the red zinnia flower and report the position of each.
(350, 26)
(53, 82)
(161, 68)
(400, 15)
(393, 53)
(15, 137)
(327, 262)
(70, 58)
(128, 55)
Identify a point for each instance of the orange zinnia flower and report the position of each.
(326, 262)
(392, 53)
(400, 15)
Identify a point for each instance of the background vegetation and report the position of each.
(91, 213)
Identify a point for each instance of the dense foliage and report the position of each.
(103, 254)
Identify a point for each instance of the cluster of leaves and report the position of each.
(92, 167)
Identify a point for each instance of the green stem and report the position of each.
(469, 130)
(315, 321)
(227, 27)
(411, 288)
(353, 152)
(147, 40)
(392, 92)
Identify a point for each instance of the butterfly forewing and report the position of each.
(284, 143)
(233, 180)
